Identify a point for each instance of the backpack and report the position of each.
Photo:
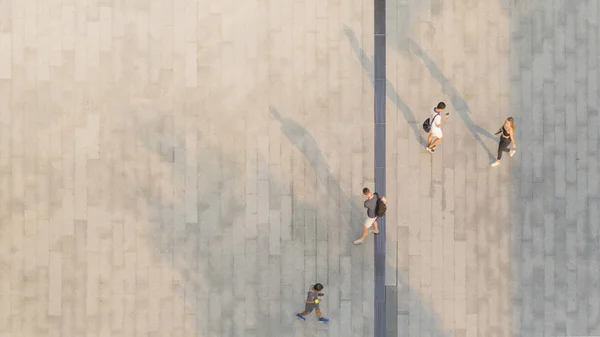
(380, 208)
(427, 123)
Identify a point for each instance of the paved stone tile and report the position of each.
(540, 65)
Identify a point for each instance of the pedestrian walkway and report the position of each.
(504, 251)
(179, 168)
(192, 167)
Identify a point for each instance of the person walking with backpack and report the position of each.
(433, 125)
(376, 207)
(508, 137)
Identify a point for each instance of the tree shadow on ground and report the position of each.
(202, 252)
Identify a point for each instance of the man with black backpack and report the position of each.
(376, 208)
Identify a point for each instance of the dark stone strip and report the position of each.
(379, 116)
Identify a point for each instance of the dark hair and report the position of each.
(366, 191)
(441, 105)
(318, 287)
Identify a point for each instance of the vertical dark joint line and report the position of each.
(379, 135)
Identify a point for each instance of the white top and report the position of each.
(436, 119)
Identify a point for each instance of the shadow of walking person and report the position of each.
(462, 108)
(391, 93)
(300, 138)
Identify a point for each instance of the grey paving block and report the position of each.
(275, 233)
(345, 278)
(357, 306)
(310, 233)
(251, 216)
(322, 262)
(263, 204)
(286, 218)
(275, 278)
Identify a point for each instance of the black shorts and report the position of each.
(310, 307)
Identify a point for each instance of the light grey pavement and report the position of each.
(191, 167)
(183, 168)
(505, 251)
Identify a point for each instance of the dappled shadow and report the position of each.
(204, 254)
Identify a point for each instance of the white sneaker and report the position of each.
(374, 231)
(358, 242)
(428, 149)
(512, 152)
(496, 163)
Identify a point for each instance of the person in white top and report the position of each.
(436, 121)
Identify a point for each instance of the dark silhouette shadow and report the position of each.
(392, 94)
(305, 143)
(462, 108)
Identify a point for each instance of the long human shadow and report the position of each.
(461, 106)
(307, 145)
(367, 64)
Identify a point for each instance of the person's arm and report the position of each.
(384, 200)
(498, 132)
(443, 120)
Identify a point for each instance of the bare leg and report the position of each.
(375, 227)
(435, 142)
(429, 139)
(318, 312)
(365, 233)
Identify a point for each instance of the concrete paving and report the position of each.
(183, 168)
(505, 251)
(191, 167)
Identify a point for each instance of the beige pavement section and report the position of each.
(179, 168)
